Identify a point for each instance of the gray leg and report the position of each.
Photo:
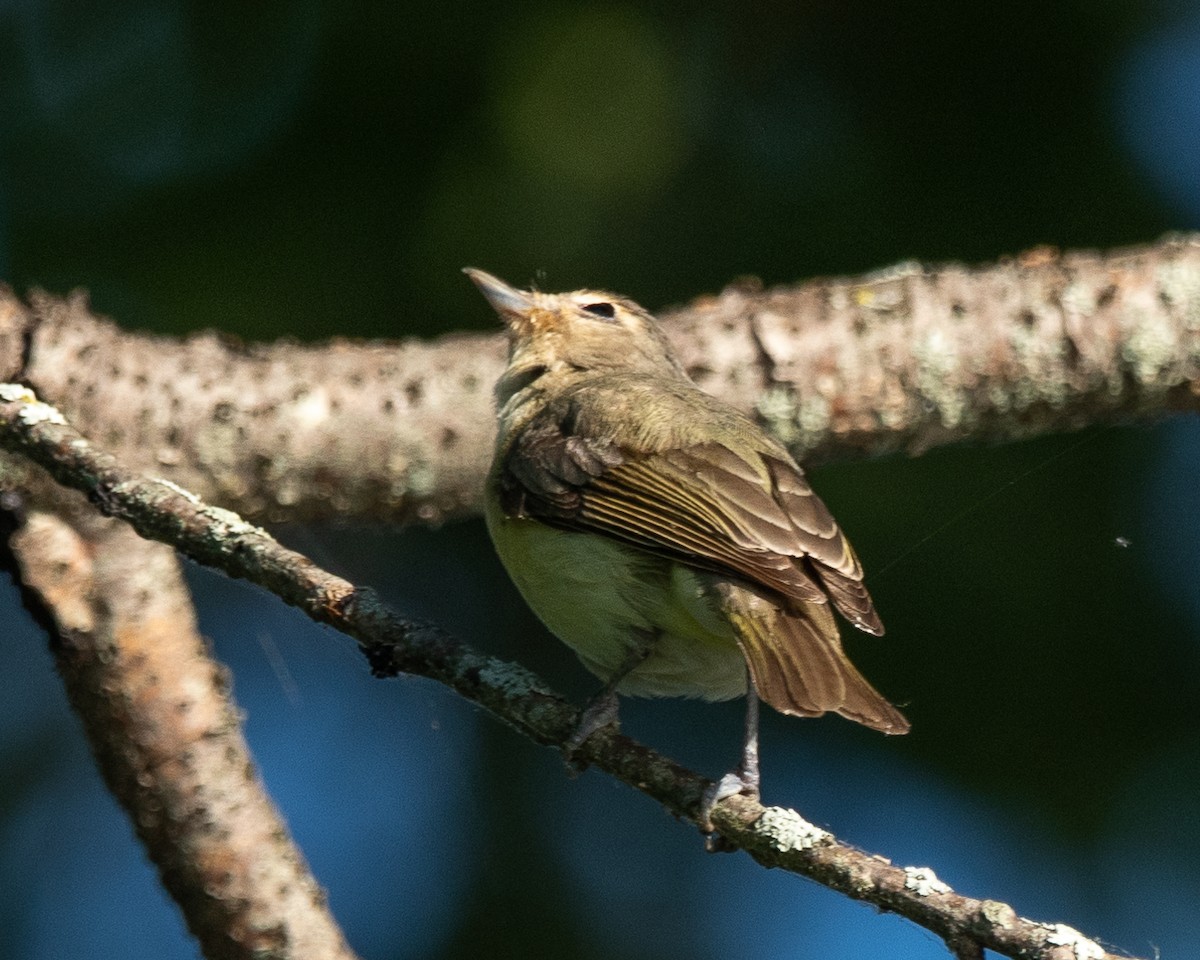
(744, 779)
(748, 768)
(603, 708)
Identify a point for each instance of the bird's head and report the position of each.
(582, 331)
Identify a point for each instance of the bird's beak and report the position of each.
(507, 301)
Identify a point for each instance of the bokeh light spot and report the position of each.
(591, 95)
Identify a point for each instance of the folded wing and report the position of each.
(751, 518)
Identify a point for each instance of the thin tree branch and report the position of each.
(167, 738)
(901, 360)
(774, 836)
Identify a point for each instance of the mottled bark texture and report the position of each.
(278, 431)
(901, 360)
(167, 738)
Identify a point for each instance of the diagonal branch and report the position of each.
(774, 836)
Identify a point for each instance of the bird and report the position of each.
(662, 534)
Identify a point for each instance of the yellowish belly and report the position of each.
(603, 599)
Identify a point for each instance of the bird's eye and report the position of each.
(601, 309)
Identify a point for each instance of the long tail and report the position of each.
(798, 666)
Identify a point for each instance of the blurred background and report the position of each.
(315, 169)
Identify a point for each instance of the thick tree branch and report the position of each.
(773, 836)
(901, 360)
(166, 736)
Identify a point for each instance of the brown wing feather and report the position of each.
(833, 558)
(703, 504)
(766, 525)
(798, 666)
(639, 500)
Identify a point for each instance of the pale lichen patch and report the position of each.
(786, 830)
(422, 479)
(513, 679)
(782, 416)
(1063, 936)
(1150, 347)
(998, 914)
(1078, 301)
(16, 393)
(937, 363)
(32, 411)
(1179, 284)
(999, 397)
(170, 485)
(814, 419)
(923, 881)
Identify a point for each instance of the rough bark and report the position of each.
(167, 738)
(898, 361)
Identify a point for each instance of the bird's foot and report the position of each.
(600, 713)
(734, 783)
(744, 780)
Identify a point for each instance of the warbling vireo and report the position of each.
(662, 534)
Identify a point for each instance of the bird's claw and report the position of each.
(732, 784)
(600, 713)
